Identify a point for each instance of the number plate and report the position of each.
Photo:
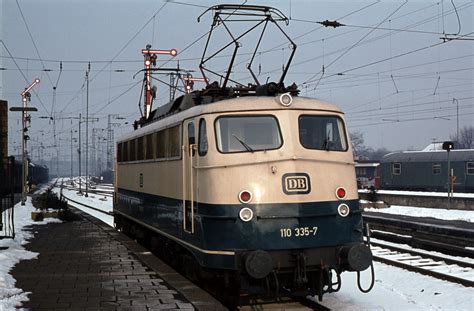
(298, 232)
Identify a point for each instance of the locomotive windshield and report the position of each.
(322, 133)
(247, 134)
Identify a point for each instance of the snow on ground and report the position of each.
(10, 297)
(101, 202)
(438, 213)
(395, 288)
(422, 193)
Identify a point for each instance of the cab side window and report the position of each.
(203, 144)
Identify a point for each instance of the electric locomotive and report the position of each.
(252, 184)
(261, 186)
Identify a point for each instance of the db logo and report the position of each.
(296, 183)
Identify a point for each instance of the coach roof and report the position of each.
(429, 156)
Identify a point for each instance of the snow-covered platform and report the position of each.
(86, 264)
(458, 201)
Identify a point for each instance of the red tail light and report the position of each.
(340, 193)
(245, 196)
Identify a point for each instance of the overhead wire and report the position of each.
(334, 36)
(32, 39)
(356, 44)
(24, 76)
(198, 39)
(277, 47)
(389, 58)
(120, 51)
(459, 20)
(376, 38)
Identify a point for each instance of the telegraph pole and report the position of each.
(111, 139)
(71, 158)
(457, 120)
(87, 128)
(79, 154)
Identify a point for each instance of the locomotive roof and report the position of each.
(239, 104)
(429, 156)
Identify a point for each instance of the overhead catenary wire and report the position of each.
(277, 47)
(32, 39)
(24, 76)
(120, 51)
(389, 58)
(324, 81)
(465, 6)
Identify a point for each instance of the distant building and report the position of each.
(367, 173)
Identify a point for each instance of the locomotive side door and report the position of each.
(189, 175)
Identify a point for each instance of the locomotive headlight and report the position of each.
(286, 99)
(246, 214)
(343, 210)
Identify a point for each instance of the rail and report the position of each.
(453, 238)
(437, 266)
(429, 201)
(88, 206)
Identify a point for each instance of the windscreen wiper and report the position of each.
(326, 144)
(243, 143)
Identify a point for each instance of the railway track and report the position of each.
(109, 213)
(88, 206)
(438, 266)
(92, 190)
(452, 238)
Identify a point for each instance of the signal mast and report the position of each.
(150, 57)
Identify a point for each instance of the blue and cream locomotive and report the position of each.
(254, 184)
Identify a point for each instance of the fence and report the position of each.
(7, 226)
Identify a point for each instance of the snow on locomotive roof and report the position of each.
(239, 104)
(428, 156)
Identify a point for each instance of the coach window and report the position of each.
(361, 171)
(161, 144)
(202, 138)
(470, 168)
(125, 151)
(436, 168)
(133, 151)
(396, 168)
(119, 152)
(140, 148)
(174, 142)
(149, 147)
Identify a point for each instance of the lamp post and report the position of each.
(457, 120)
(25, 96)
(448, 146)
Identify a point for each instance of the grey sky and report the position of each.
(397, 86)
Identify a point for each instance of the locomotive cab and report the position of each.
(278, 188)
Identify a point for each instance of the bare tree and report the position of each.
(362, 152)
(466, 138)
(358, 147)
